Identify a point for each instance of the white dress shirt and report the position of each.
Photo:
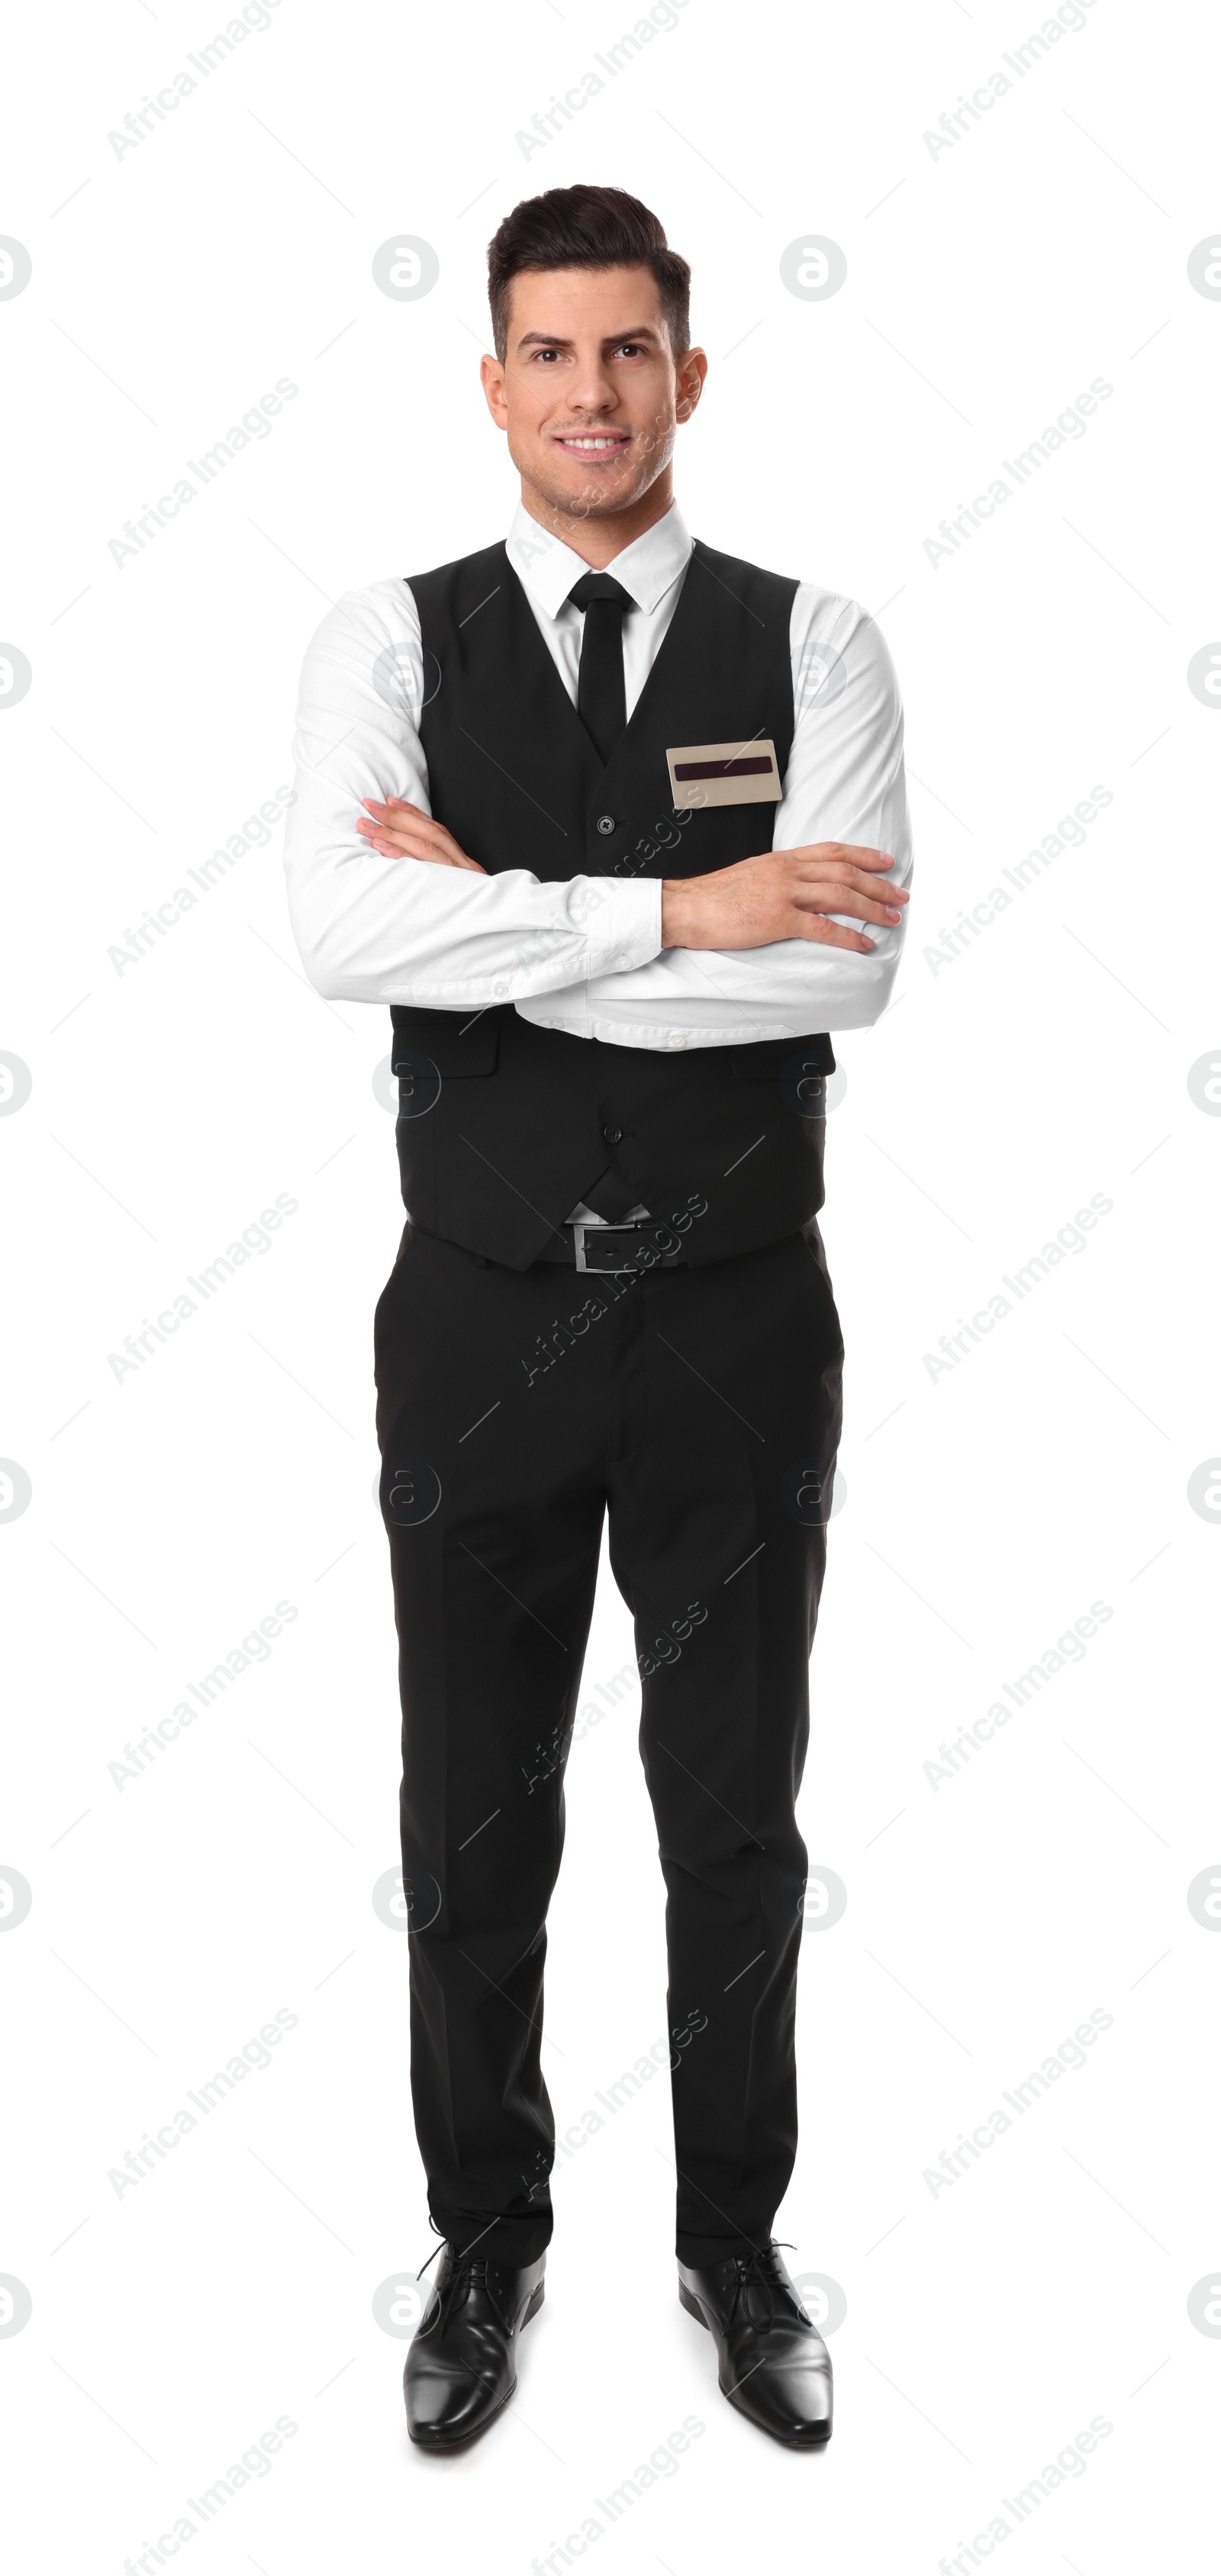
(584, 955)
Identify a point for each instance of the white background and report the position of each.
(988, 1915)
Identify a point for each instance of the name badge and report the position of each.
(724, 773)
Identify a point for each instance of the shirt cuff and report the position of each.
(623, 923)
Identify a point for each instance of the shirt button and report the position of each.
(606, 822)
(612, 1135)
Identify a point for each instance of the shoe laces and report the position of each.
(467, 2265)
(759, 2269)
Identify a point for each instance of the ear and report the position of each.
(690, 373)
(492, 377)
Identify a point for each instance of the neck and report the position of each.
(598, 541)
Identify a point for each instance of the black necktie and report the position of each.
(602, 708)
(601, 703)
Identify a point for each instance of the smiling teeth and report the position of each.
(592, 442)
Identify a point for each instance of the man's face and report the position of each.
(590, 393)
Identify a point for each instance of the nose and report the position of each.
(592, 393)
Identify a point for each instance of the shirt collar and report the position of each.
(647, 568)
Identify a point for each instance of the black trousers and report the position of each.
(700, 1409)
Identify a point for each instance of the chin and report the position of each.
(604, 491)
(597, 505)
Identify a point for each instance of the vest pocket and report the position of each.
(799, 1068)
(456, 1042)
(796, 1060)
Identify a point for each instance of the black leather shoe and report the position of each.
(462, 2364)
(773, 2364)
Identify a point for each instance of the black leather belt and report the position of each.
(615, 1247)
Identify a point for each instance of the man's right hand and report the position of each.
(782, 894)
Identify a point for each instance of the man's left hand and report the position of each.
(398, 830)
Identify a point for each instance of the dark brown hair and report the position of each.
(587, 228)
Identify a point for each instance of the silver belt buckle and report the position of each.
(580, 1230)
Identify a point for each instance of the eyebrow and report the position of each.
(612, 339)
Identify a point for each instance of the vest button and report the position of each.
(612, 1135)
(606, 822)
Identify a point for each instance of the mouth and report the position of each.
(598, 447)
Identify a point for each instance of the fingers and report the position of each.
(398, 840)
(397, 829)
(830, 934)
(784, 921)
(834, 872)
(408, 845)
(397, 815)
(402, 807)
(863, 907)
(846, 851)
(833, 886)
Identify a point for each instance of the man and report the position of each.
(563, 805)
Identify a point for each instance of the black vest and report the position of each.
(503, 1126)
